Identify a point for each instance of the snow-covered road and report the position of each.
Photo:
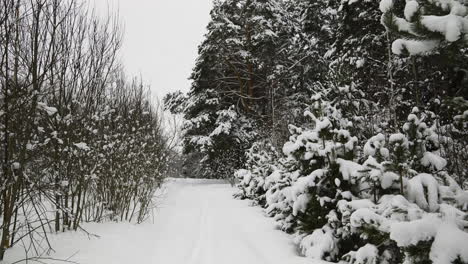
(198, 222)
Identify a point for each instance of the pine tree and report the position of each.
(324, 155)
(433, 35)
(235, 73)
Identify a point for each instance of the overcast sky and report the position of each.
(161, 39)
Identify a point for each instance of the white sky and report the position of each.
(161, 39)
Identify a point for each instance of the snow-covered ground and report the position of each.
(197, 222)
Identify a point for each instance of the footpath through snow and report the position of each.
(197, 222)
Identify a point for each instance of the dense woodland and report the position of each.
(346, 120)
(80, 140)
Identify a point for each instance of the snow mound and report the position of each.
(449, 244)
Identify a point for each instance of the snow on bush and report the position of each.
(386, 5)
(83, 146)
(449, 245)
(319, 243)
(424, 191)
(259, 167)
(411, 233)
(447, 18)
(411, 9)
(392, 203)
(367, 254)
(414, 47)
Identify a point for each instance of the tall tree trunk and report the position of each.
(4, 243)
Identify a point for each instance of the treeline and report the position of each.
(80, 141)
(347, 118)
(261, 62)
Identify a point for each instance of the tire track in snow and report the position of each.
(195, 251)
(201, 253)
(207, 226)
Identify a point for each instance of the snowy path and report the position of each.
(197, 223)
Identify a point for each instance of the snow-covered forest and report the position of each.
(346, 121)
(320, 132)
